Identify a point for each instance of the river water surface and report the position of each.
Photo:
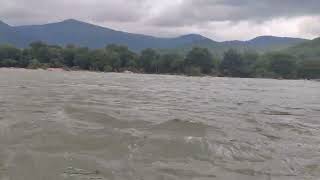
(85, 126)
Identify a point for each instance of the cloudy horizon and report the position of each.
(219, 20)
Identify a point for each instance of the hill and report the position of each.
(8, 35)
(306, 51)
(84, 34)
(260, 44)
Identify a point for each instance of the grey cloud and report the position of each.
(198, 11)
(42, 11)
(177, 12)
(217, 19)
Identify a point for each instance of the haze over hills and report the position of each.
(84, 34)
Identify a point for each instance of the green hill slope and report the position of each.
(307, 51)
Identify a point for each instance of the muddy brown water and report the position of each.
(107, 126)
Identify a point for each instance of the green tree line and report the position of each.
(198, 61)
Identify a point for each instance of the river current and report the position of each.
(111, 126)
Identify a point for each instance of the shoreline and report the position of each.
(129, 72)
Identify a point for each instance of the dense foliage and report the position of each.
(198, 61)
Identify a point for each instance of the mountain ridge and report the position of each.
(71, 31)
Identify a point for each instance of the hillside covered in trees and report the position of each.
(198, 61)
(309, 50)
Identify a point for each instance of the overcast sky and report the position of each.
(217, 19)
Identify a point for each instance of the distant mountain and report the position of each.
(260, 44)
(3, 25)
(84, 34)
(272, 42)
(8, 35)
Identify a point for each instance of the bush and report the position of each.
(8, 63)
(34, 64)
(309, 69)
(193, 71)
(107, 68)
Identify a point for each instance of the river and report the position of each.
(109, 126)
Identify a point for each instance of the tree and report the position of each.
(9, 56)
(98, 60)
(198, 61)
(114, 59)
(177, 65)
(40, 51)
(250, 59)
(34, 64)
(283, 65)
(81, 58)
(8, 63)
(200, 57)
(170, 63)
(261, 68)
(55, 56)
(309, 69)
(232, 64)
(125, 57)
(68, 55)
(25, 58)
(149, 60)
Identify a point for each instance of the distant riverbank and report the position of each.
(197, 62)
